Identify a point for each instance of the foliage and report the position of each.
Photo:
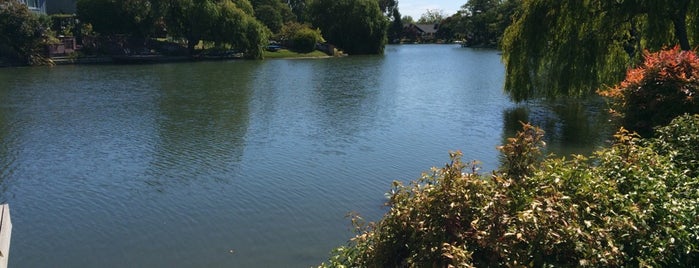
(627, 205)
(135, 17)
(395, 30)
(299, 37)
(305, 40)
(273, 13)
(569, 48)
(362, 29)
(480, 23)
(407, 19)
(224, 22)
(663, 87)
(680, 139)
(24, 34)
(432, 16)
(299, 8)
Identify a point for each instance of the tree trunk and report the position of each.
(679, 21)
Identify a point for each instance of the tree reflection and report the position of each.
(204, 117)
(572, 126)
(346, 97)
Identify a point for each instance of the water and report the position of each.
(243, 163)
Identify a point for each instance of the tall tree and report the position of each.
(221, 21)
(300, 9)
(356, 26)
(22, 33)
(571, 48)
(432, 16)
(135, 17)
(387, 7)
(273, 13)
(395, 30)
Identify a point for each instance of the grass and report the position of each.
(285, 53)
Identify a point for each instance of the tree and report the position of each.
(273, 13)
(395, 30)
(220, 21)
(408, 19)
(135, 17)
(299, 8)
(388, 6)
(24, 34)
(571, 48)
(432, 16)
(481, 22)
(299, 36)
(663, 87)
(361, 29)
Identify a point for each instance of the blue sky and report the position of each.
(415, 8)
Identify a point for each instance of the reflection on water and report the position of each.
(571, 126)
(202, 124)
(345, 98)
(242, 163)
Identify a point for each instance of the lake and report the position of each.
(244, 163)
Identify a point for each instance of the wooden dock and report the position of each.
(5, 234)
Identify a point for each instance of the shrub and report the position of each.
(663, 87)
(305, 40)
(627, 205)
(299, 37)
(24, 34)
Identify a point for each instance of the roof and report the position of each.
(428, 28)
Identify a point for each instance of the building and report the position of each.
(36, 6)
(60, 6)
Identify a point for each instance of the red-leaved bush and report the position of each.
(663, 87)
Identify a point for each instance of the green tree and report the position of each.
(300, 9)
(134, 17)
(395, 30)
(361, 29)
(388, 6)
(22, 33)
(432, 16)
(571, 48)
(273, 13)
(220, 21)
(481, 18)
(407, 19)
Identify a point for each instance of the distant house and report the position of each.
(422, 32)
(429, 31)
(60, 6)
(36, 6)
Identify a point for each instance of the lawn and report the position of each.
(285, 53)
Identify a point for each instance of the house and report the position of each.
(422, 32)
(36, 6)
(60, 6)
(428, 31)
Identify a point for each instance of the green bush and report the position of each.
(663, 87)
(299, 37)
(680, 139)
(632, 204)
(305, 39)
(24, 34)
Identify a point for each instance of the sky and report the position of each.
(415, 8)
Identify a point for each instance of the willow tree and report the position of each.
(220, 21)
(356, 26)
(572, 47)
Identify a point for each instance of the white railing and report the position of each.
(5, 234)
